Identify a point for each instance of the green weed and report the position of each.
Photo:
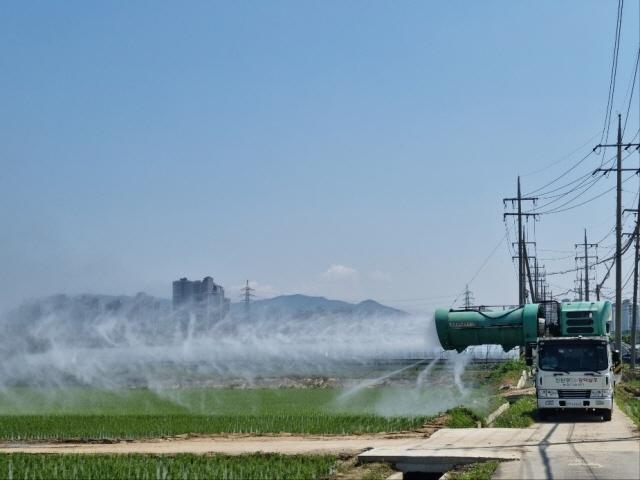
(521, 414)
(461, 417)
(474, 471)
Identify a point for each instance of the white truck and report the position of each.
(575, 366)
(567, 344)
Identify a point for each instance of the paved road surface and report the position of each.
(578, 447)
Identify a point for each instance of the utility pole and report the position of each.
(528, 272)
(526, 258)
(619, 170)
(580, 287)
(634, 317)
(618, 337)
(468, 298)
(536, 280)
(539, 281)
(585, 257)
(517, 201)
(634, 307)
(247, 293)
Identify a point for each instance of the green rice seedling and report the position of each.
(165, 467)
(97, 427)
(77, 413)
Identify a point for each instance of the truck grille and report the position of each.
(579, 329)
(574, 393)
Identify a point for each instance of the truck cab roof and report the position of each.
(599, 338)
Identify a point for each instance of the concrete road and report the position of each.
(578, 447)
(575, 447)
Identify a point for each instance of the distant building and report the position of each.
(626, 316)
(199, 304)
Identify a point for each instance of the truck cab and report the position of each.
(574, 362)
(575, 373)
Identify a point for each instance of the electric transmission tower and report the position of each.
(585, 257)
(468, 298)
(247, 294)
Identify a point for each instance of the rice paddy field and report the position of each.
(387, 399)
(159, 467)
(88, 413)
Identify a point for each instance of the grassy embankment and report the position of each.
(507, 373)
(627, 395)
(521, 413)
(77, 413)
(183, 467)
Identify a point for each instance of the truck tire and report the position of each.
(606, 415)
(543, 414)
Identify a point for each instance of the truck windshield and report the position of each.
(573, 357)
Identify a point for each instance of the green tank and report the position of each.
(585, 319)
(459, 329)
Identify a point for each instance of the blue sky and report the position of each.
(351, 149)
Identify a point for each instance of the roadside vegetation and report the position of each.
(507, 373)
(462, 417)
(350, 469)
(521, 414)
(474, 471)
(183, 467)
(627, 394)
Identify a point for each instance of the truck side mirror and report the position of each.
(615, 356)
(528, 355)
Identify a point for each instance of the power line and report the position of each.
(633, 85)
(576, 188)
(560, 210)
(613, 74)
(484, 263)
(562, 159)
(573, 167)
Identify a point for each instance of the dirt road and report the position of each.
(233, 445)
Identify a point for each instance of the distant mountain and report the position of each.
(304, 307)
(99, 321)
(89, 321)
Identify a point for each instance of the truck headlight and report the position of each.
(600, 393)
(548, 393)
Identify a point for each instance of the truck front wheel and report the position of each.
(606, 415)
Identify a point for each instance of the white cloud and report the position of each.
(340, 272)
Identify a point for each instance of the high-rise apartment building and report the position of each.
(199, 304)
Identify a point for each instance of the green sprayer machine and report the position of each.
(567, 343)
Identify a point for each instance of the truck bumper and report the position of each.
(580, 403)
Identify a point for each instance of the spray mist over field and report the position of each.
(55, 346)
(64, 342)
